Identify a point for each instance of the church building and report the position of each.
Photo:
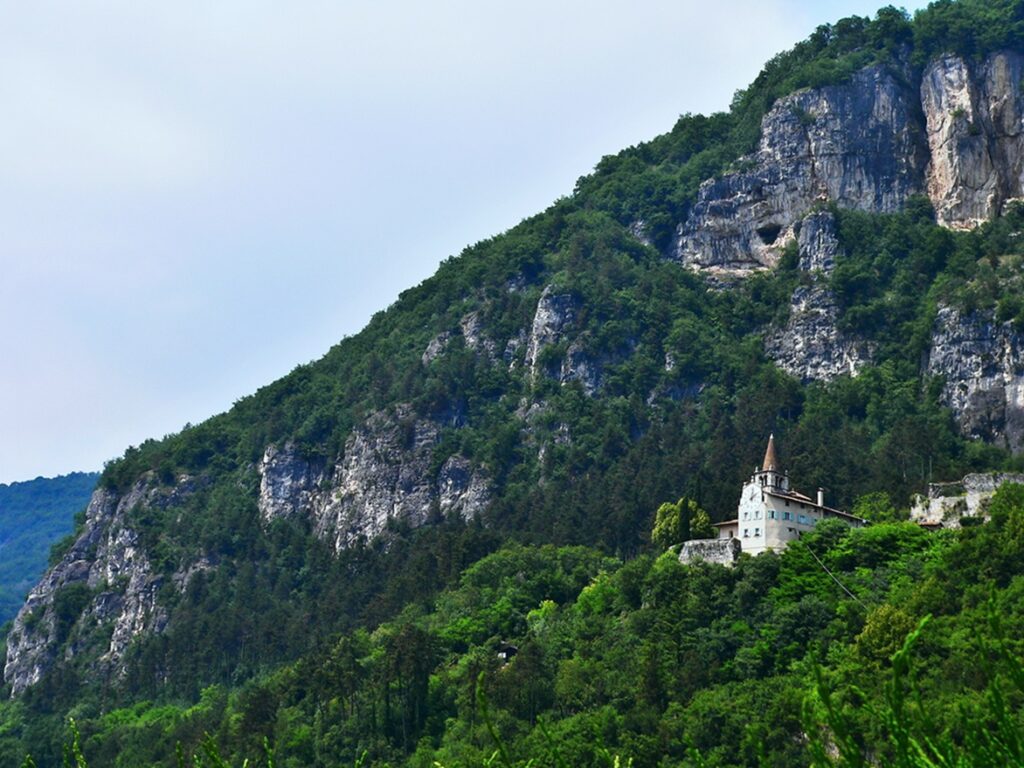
(771, 514)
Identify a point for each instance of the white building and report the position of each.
(771, 514)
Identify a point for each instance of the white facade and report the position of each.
(771, 514)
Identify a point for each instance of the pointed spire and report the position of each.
(771, 462)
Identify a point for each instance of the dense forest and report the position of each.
(564, 656)
(33, 515)
(552, 628)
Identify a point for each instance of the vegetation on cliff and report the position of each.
(663, 390)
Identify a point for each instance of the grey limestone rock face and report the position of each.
(868, 144)
(555, 321)
(982, 365)
(288, 483)
(554, 318)
(578, 365)
(638, 229)
(435, 348)
(974, 115)
(856, 144)
(810, 346)
(108, 560)
(474, 334)
(818, 242)
(461, 489)
(385, 475)
(382, 476)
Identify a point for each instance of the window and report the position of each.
(787, 516)
(771, 514)
(757, 531)
(746, 533)
(757, 514)
(787, 502)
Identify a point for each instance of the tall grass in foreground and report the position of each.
(207, 757)
(913, 739)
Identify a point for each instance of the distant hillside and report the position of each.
(34, 515)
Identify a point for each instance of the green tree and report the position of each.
(700, 525)
(679, 522)
(877, 507)
(668, 525)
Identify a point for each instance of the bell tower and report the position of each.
(771, 475)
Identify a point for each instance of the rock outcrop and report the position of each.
(557, 348)
(289, 483)
(113, 584)
(810, 346)
(818, 242)
(471, 330)
(554, 318)
(105, 589)
(868, 144)
(975, 122)
(857, 145)
(385, 475)
(981, 363)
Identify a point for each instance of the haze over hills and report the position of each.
(34, 515)
(836, 260)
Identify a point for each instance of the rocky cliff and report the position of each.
(106, 587)
(973, 115)
(557, 347)
(981, 363)
(859, 145)
(387, 474)
(105, 580)
(810, 345)
(869, 145)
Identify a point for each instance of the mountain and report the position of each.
(34, 515)
(836, 260)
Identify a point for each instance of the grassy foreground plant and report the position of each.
(914, 738)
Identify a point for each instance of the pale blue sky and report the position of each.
(196, 197)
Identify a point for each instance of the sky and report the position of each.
(196, 197)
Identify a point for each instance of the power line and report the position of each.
(837, 581)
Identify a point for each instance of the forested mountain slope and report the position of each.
(34, 515)
(837, 259)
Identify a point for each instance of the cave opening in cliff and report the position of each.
(769, 233)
